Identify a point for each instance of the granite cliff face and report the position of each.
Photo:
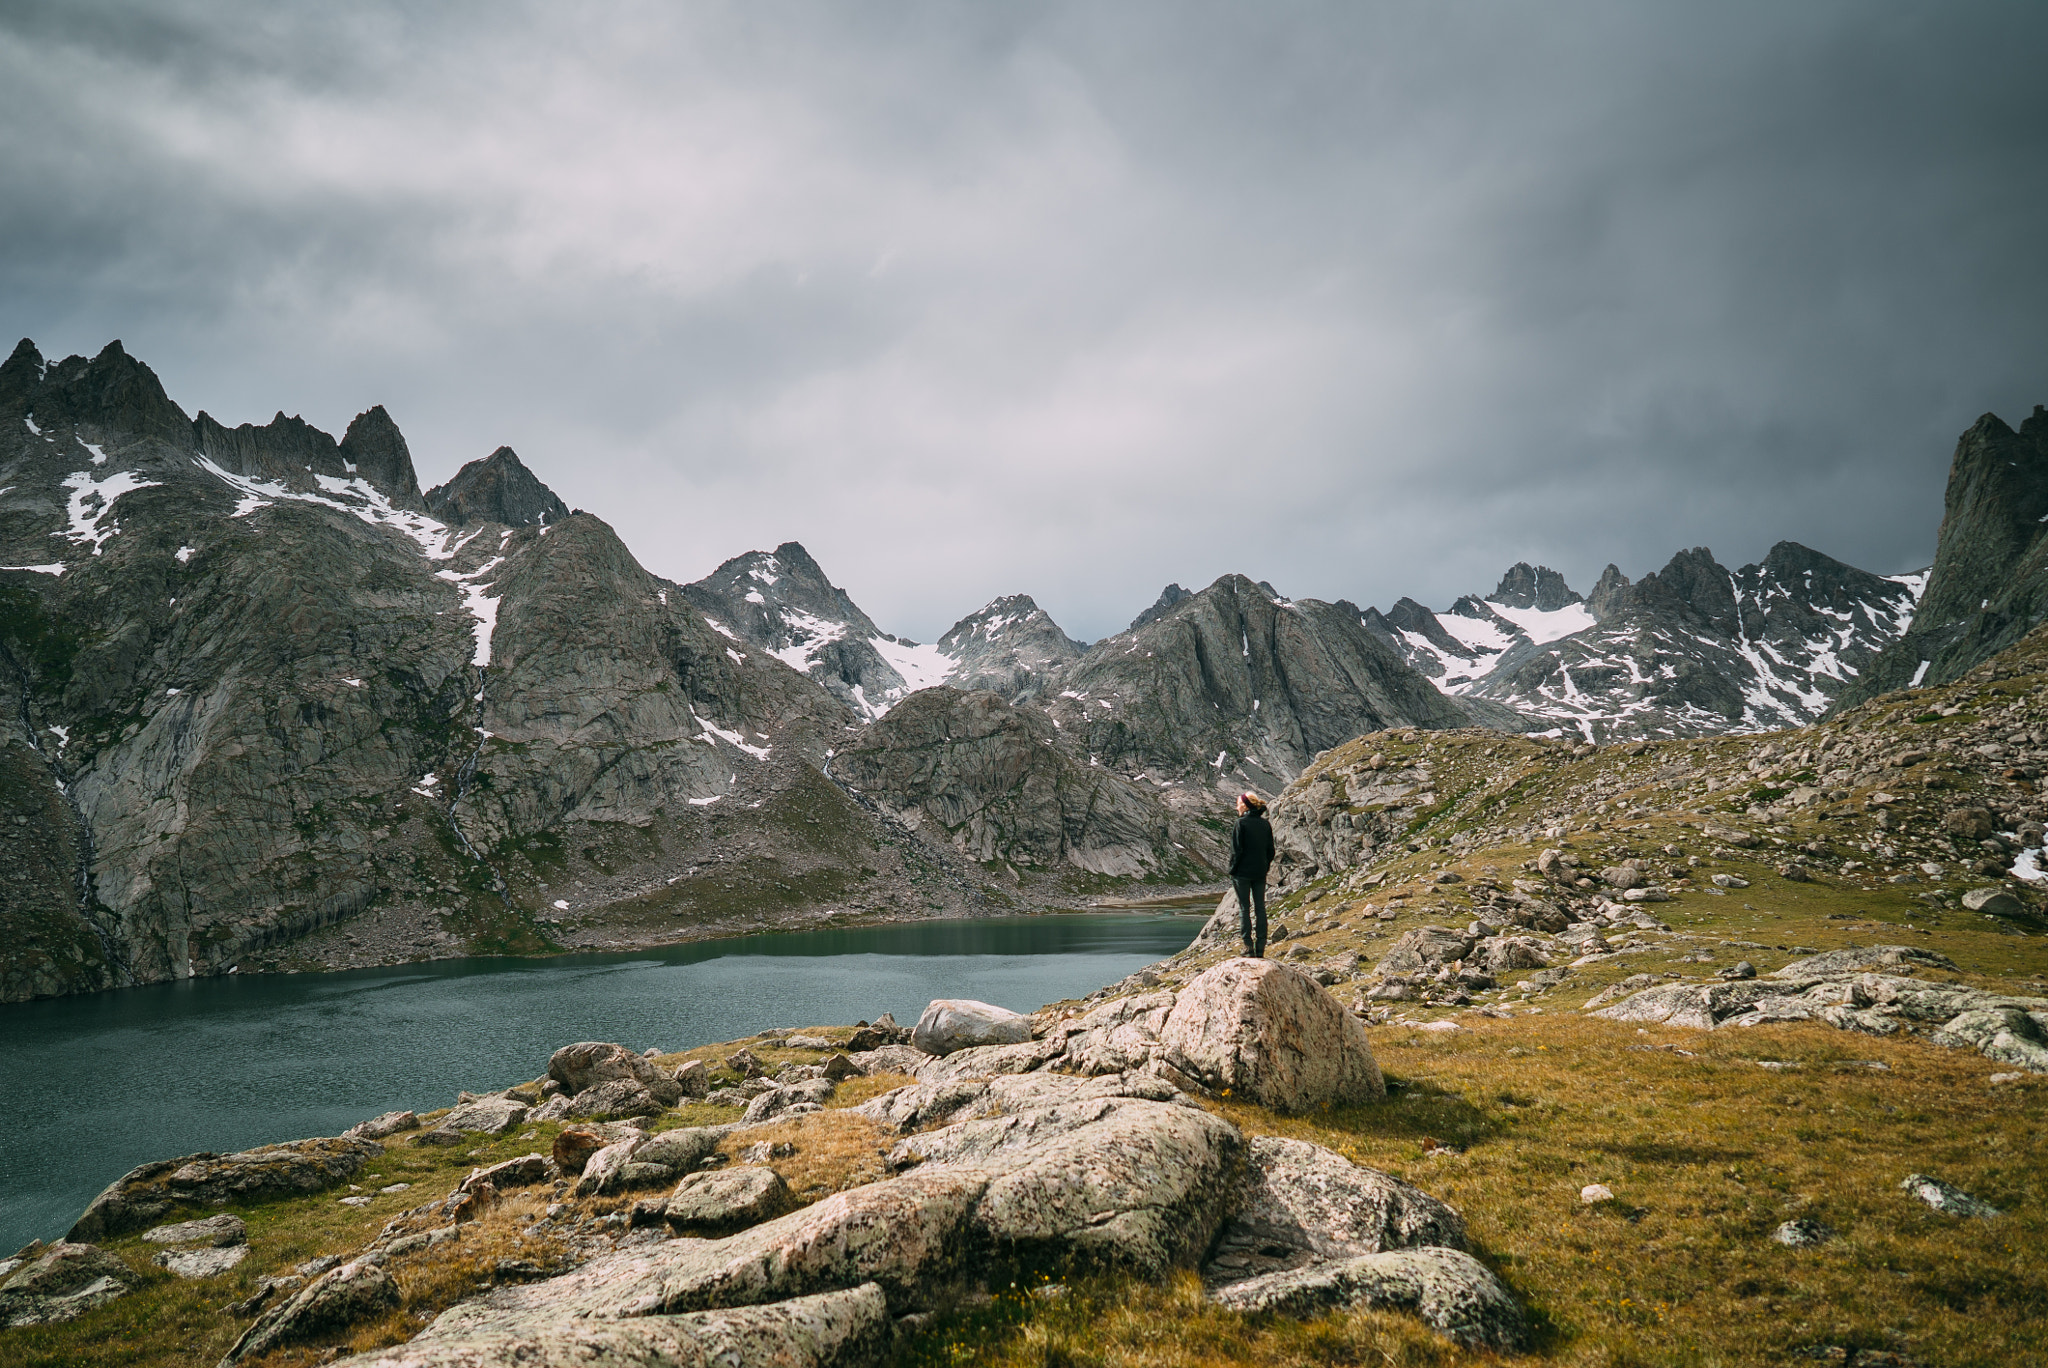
(1989, 583)
(1693, 649)
(992, 780)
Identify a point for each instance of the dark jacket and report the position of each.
(1251, 848)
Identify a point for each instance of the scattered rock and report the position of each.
(728, 1200)
(1272, 1035)
(1730, 881)
(485, 1116)
(1946, 1198)
(613, 1098)
(574, 1146)
(377, 1127)
(201, 1263)
(744, 1063)
(1594, 1193)
(950, 1024)
(220, 1230)
(1741, 969)
(590, 1063)
(1802, 1234)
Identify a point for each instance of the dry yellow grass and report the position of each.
(1707, 1152)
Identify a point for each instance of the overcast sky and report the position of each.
(1363, 299)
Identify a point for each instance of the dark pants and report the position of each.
(1251, 915)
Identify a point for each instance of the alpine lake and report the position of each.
(107, 1081)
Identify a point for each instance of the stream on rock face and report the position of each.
(106, 1081)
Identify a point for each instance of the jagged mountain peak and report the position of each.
(1011, 646)
(1168, 597)
(498, 489)
(1534, 586)
(111, 393)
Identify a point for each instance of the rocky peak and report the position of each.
(113, 392)
(781, 602)
(1010, 647)
(1988, 586)
(1607, 593)
(1168, 597)
(374, 448)
(1540, 587)
(497, 489)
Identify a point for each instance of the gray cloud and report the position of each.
(1076, 299)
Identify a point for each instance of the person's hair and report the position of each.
(1253, 801)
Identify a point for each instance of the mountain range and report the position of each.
(272, 705)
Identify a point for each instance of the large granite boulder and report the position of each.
(485, 1116)
(950, 1024)
(589, 1063)
(144, 1195)
(1271, 1035)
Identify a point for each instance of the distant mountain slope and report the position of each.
(256, 708)
(1693, 649)
(1236, 686)
(1988, 586)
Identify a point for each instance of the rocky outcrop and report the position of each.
(1988, 586)
(498, 489)
(993, 782)
(996, 1174)
(589, 1063)
(828, 1330)
(144, 1195)
(62, 1283)
(1833, 989)
(338, 1298)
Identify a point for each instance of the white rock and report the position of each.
(950, 1024)
(202, 1263)
(1593, 1193)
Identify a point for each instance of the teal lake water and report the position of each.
(105, 1082)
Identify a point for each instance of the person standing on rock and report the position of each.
(1251, 855)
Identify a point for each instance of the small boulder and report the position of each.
(693, 1078)
(726, 1200)
(574, 1146)
(219, 1231)
(1946, 1198)
(1272, 1035)
(1970, 823)
(201, 1263)
(744, 1063)
(614, 1098)
(1804, 1233)
(485, 1116)
(1995, 902)
(1448, 1289)
(377, 1127)
(839, 1067)
(950, 1024)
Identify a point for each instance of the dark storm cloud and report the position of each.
(1362, 299)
